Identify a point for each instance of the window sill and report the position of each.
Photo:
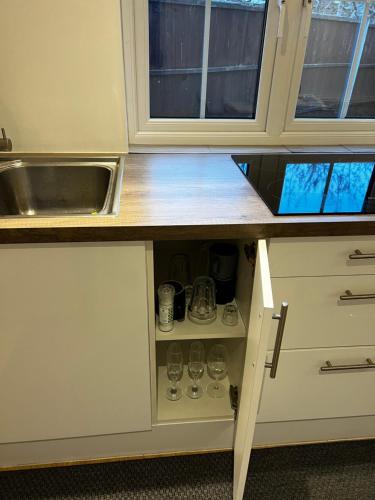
(249, 149)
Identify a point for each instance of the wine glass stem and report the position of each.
(174, 386)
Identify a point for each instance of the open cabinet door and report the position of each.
(257, 340)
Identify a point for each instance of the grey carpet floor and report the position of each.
(342, 471)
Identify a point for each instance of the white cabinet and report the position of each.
(325, 256)
(247, 346)
(325, 324)
(301, 391)
(259, 328)
(74, 351)
(79, 349)
(317, 317)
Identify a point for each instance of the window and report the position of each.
(198, 70)
(250, 72)
(333, 82)
(205, 57)
(338, 78)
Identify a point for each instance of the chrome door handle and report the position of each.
(357, 255)
(329, 367)
(359, 296)
(279, 338)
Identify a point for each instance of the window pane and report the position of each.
(338, 79)
(362, 104)
(236, 40)
(233, 42)
(176, 45)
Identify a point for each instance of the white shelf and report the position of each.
(187, 330)
(186, 408)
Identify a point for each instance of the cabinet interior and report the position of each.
(233, 337)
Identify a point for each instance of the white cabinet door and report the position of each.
(74, 353)
(302, 392)
(323, 256)
(259, 328)
(318, 318)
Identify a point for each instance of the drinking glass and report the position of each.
(202, 307)
(230, 315)
(175, 368)
(217, 360)
(195, 369)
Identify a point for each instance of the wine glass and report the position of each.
(175, 368)
(217, 368)
(195, 369)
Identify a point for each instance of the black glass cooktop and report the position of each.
(292, 184)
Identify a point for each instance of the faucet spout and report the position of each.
(5, 142)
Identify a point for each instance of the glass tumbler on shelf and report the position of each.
(195, 369)
(230, 315)
(175, 369)
(217, 361)
(202, 307)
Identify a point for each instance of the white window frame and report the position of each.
(145, 130)
(344, 126)
(288, 23)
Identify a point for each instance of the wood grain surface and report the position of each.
(182, 196)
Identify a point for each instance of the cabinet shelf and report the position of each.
(191, 409)
(187, 330)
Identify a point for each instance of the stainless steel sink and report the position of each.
(48, 187)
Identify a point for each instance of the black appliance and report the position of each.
(306, 184)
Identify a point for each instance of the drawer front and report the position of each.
(301, 392)
(318, 318)
(321, 256)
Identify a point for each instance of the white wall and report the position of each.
(61, 75)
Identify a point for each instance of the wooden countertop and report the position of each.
(183, 196)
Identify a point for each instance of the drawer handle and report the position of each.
(281, 318)
(329, 367)
(359, 255)
(360, 296)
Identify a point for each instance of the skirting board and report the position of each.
(107, 460)
(313, 431)
(161, 440)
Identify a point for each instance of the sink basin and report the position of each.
(58, 187)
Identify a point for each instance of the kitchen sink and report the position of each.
(48, 187)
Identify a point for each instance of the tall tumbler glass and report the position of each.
(202, 307)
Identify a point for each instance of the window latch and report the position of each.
(307, 4)
(280, 30)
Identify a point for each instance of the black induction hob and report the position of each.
(305, 184)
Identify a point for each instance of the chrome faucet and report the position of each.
(5, 142)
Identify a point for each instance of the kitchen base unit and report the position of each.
(84, 362)
(69, 353)
(324, 387)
